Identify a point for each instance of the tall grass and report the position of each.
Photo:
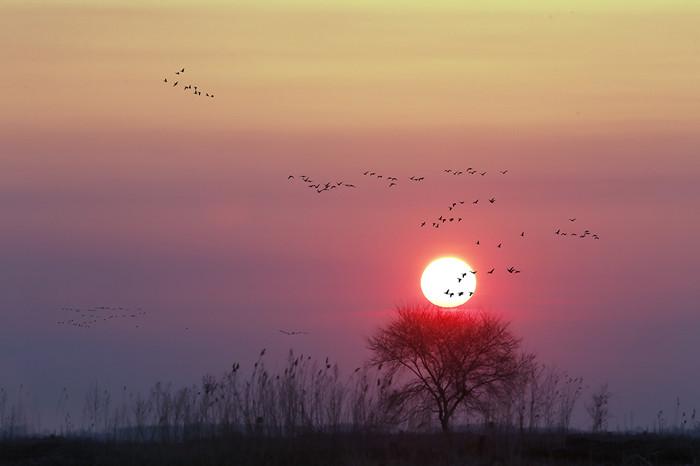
(305, 396)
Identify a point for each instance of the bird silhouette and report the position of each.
(491, 271)
(492, 200)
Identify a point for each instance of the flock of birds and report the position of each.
(454, 214)
(452, 292)
(89, 317)
(571, 234)
(321, 187)
(449, 218)
(92, 316)
(193, 87)
(470, 171)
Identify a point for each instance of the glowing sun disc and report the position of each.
(448, 282)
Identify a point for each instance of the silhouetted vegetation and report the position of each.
(440, 388)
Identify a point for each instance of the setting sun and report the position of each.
(448, 282)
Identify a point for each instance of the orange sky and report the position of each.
(315, 67)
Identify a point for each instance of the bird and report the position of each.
(491, 271)
(572, 219)
(492, 200)
(477, 242)
(447, 292)
(522, 233)
(460, 293)
(175, 83)
(422, 224)
(499, 245)
(392, 184)
(476, 202)
(473, 271)
(292, 332)
(165, 80)
(503, 172)
(510, 269)
(290, 177)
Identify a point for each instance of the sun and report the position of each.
(448, 282)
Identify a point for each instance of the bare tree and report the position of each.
(445, 359)
(597, 408)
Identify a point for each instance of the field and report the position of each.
(399, 449)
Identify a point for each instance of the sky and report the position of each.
(119, 190)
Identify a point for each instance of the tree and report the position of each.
(597, 408)
(448, 358)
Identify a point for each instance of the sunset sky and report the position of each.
(117, 189)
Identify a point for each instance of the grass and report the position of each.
(354, 449)
(308, 414)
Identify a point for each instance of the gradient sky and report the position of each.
(118, 190)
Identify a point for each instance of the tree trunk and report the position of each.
(445, 423)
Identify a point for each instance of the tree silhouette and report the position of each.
(447, 358)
